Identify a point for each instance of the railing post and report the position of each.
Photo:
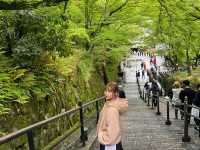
(168, 122)
(82, 137)
(30, 140)
(97, 109)
(158, 104)
(139, 89)
(186, 137)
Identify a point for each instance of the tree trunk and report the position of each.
(189, 70)
(196, 62)
(87, 21)
(105, 77)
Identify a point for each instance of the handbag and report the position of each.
(195, 112)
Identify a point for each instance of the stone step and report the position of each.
(144, 130)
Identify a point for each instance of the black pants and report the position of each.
(118, 146)
(176, 111)
(155, 100)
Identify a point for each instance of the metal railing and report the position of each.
(186, 137)
(29, 130)
(186, 115)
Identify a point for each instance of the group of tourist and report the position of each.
(138, 74)
(153, 87)
(178, 94)
(140, 53)
(193, 98)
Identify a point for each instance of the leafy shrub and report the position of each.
(27, 51)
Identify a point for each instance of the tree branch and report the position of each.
(103, 22)
(196, 8)
(118, 8)
(66, 3)
(194, 16)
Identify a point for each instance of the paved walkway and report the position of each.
(133, 64)
(144, 130)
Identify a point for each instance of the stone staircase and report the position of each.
(144, 130)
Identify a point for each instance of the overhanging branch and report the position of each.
(194, 16)
(105, 19)
(118, 8)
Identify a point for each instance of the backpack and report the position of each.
(147, 86)
(155, 87)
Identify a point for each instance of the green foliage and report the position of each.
(27, 51)
(114, 58)
(178, 24)
(49, 55)
(10, 91)
(77, 35)
(181, 76)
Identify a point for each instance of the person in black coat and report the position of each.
(196, 102)
(143, 74)
(155, 88)
(136, 74)
(139, 74)
(189, 93)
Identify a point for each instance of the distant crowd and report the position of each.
(178, 93)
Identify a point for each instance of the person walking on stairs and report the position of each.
(189, 93)
(138, 74)
(108, 127)
(175, 99)
(155, 88)
(142, 65)
(143, 74)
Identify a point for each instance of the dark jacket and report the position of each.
(154, 88)
(196, 100)
(142, 72)
(147, 86)
(189, 93)
(138, 74)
